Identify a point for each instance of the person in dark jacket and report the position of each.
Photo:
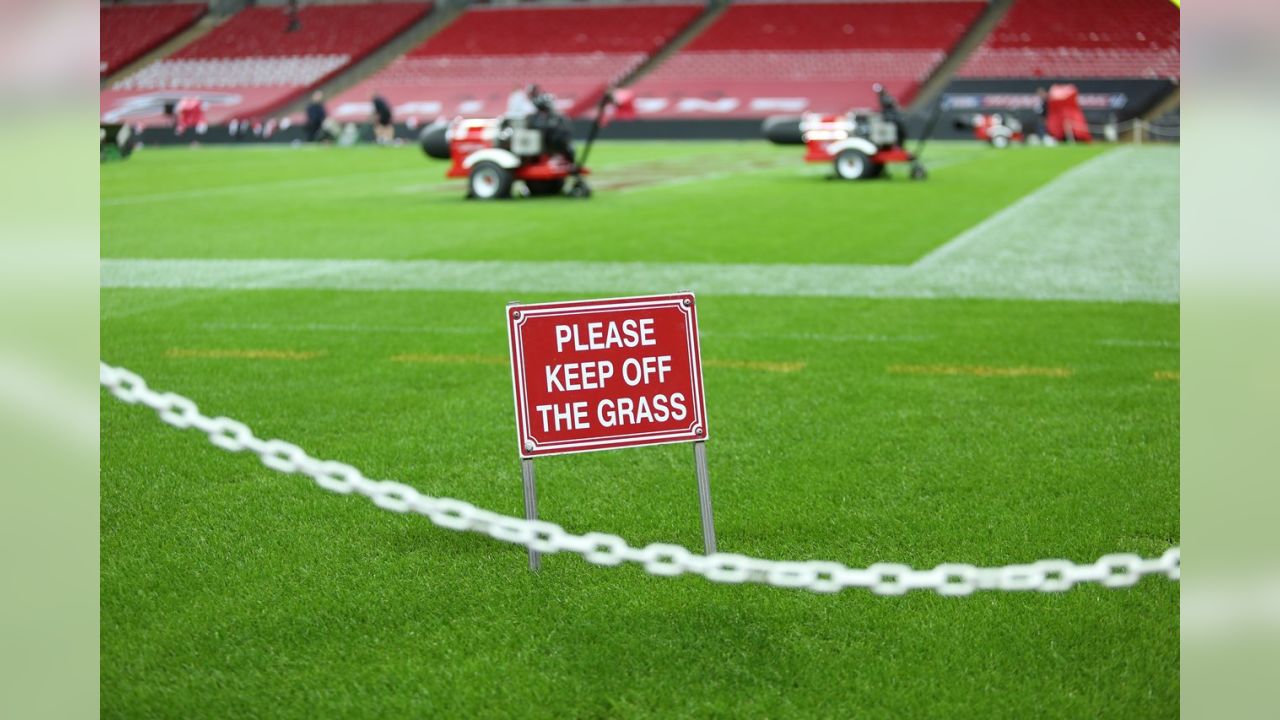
(556, 129)
(1041, 109)
(384, 132)
(316, 117)
(889, 108)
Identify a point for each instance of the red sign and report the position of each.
(606, 374)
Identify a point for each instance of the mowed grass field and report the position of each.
(848, 423)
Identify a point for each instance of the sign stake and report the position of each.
(704, 497)
(531, 506)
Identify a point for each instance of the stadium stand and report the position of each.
(253, 64)
(1081, 39)
(127, 32)
(763, 58)
(471, 66)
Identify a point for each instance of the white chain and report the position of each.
(1113, 571)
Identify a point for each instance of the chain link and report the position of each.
(1112, 571)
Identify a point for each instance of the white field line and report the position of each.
(1136, 342)
(478, 330)
(255, 187)
(1104, 231)
(677, 180)
(1015, 209)
(162, 302)
(352, 328)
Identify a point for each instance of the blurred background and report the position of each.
(689, 69)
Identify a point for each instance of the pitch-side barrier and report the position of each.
(1111, 571)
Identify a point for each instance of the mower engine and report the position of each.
(859, 144)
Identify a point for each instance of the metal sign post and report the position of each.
(530, 494)
(530, 505)
(704, 497)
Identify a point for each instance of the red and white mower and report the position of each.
(859, 144)
(536, 150)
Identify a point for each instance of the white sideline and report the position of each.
(256, 188)
(1104, 231)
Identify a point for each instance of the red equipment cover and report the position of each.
(1065, 118)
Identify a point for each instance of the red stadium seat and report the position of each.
(1081, 39)
(127, 32)
(252, 64)
(471, 66)
(765, 58)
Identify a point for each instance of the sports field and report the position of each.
(981, 368)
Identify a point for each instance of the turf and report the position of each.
(729, 202)
(839, 431)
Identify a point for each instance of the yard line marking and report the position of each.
(821, 337)
(1075, 239)
(226, 354)
(1167, 375)
(623, 185)
(980, 371)
(250, 188)
(1123, 342)
(1078, 236)
(165, 302)
(765, 365)
(351, 328)
(478, 330)
(449, 359)
(1019, 205)
(632, 184)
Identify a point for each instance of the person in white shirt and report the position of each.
(519, 103)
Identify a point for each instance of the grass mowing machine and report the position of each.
(859, 144)
(536, 150)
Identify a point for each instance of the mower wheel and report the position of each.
(918, 172)
(853, 165)
(580, 190)
(1000, 142)
(489, 181)
(544, 187)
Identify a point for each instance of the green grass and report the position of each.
(395, 204)
(232, 591)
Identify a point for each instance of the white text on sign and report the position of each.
(598, 374)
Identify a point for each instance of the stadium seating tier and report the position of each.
(765, 58)
(254, 62)
(471, 66)
(127, 32)
(1081, 39)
